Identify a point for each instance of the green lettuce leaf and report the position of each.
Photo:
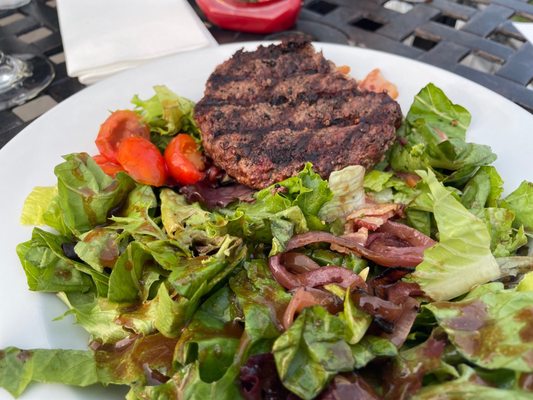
(433, 136)
(167, 253)
(36, 205)
(462, 259)
(521, 203)
(410, 366)
(311, 352)
(18, 368)
(135, 219)
(179, 296)
(187, 384)
(189, 224)
(385, 187)
(262, 300)
(134, 359)
(100, 248)
(280, 211)
(132, 275)
(483, 190)
(490, 327)
(371, 347)
(212, 337)
(86, 193)
(49, 270)
(357, 321)
(109, 322)
(167, 113)
(433, 106)
(348, 193)
(526, 284)
(466, 387)
(505, 240)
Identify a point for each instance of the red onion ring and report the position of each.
(319, 277)
(306, 297)
(390, 257)
(298, 262)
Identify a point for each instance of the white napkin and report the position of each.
(102, 37)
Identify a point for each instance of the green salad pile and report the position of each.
(180, 301)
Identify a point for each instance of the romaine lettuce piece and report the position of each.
(189, 224)
(462, 259)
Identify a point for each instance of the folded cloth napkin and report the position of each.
(102, 37)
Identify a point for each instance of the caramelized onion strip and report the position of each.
(306, 297)
(389, 257)
(319, 277)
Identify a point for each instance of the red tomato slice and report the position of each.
(142, 160)
(109, 167)
(184, 161)
(119, 125)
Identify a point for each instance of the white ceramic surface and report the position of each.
(28, 161)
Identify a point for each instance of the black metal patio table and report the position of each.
(473, 38)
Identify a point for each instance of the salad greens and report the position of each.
(181, 301)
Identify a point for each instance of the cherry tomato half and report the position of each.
(109, 167)
(184, 160)
(119, 125)
(142, 160)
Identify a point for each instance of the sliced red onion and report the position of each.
(319, 277)
(306, 297)
(412, 236)
(391, 257)
(404, 323)
(298, 262)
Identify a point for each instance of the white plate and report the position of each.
(28, 161)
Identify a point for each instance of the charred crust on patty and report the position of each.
(265, 113)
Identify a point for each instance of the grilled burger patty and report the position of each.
(265, 113)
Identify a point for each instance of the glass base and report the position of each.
(31, 74)
(11, 4)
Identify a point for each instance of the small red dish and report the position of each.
(259, 16)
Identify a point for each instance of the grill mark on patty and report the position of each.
(285, 146)
(247, 92)
(242, 66)
(308, 112)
